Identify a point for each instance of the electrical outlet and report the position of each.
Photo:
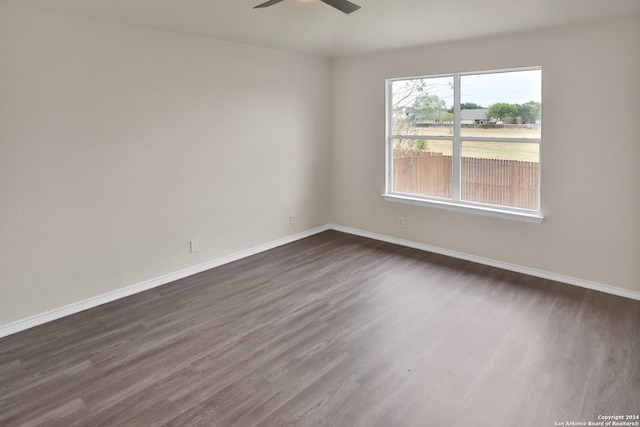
(194, 245)
(292, 219)
(401, 221)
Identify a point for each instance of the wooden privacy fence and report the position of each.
(498, 182)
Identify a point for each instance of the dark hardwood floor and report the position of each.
(332, 330)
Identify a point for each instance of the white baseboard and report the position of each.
(486, 261)
(58, 313)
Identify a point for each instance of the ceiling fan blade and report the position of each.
(343, 5)
(268, 3)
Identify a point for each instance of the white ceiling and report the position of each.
(309, 26)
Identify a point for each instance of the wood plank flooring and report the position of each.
(332, 330)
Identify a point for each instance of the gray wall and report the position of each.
(589, 155)
(119, 145)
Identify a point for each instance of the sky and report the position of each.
(514, 87)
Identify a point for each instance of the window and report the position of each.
(467, 141)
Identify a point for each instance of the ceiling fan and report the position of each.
(343, 5)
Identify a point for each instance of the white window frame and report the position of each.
(455, 203)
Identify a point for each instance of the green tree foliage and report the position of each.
(421, 145)
(530, 111)
(447, 117)
(470, 106)
(426, 108)
(415, 103)
(503, 111)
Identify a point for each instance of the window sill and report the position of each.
(474, 209)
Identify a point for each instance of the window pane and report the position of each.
(423, 106)
(423, 167)
(505, 105)
(501, 173)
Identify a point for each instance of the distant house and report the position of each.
(477, 116)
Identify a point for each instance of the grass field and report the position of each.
(506, 132)
(522, 151)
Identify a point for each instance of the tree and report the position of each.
(415, 102)
(427, 109)
(503, 111)
(447, 118)
(470, 106)
(530, 111)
